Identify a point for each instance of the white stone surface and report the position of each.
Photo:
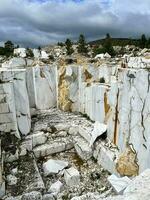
(44, 55)
(106, 157)
(14, 63)
(11, 180)
(101, 56)
(52, 148)
(139, 62)
(82, 148)
(32, 195)
(36, 53)
(53, 166)
(20, 52)
(132, 123)
(35, 139)
(48, 197)
(139, 183)
(119, 183)
(98, 130)
(72, 176)
(45, 79)
(2, 189)
(22, 102)
(55, 188)
(8, 119)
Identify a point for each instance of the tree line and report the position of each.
(82, 46)
(106, 45)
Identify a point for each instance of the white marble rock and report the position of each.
(54, 166)
(55, 188)
(119, 183)
(72, 176)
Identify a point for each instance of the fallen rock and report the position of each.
(82, 148)
(55, 188)
(53, 166)
(2, 189)
(72, 176)
(48, 197)
(32, 196)
(119, 184)
(106, 157)
(73, 130)
(53, 147)
(98, 130)
(35, 139)
(11, 180)
(90, 134)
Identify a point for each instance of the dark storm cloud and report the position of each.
(38, 22)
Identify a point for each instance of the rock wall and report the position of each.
(120, 98)
(15, 112)
(84, 89)
(131, 113)
(117, 95)
(42, 86)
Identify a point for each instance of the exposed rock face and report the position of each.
(127, 163)
(115, 100)
(42, 79)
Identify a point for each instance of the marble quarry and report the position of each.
(107, 110)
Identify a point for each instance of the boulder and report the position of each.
(35, 139)
(54, 166)
(72, 176)
(119, 184)
(11, 180)
(98, 130)
(55, 188)
(82, 148)
(48, 197)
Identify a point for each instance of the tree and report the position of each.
(9, 48)
(29, 53)
(82, 48)
(107, 46)
(143, 41)
(9, 45)
(69, 48)
(61, 44)
(39, 48)
(148, 43)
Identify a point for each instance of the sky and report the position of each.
(41, 22)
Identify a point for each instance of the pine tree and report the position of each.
(108, 45)
(39, 48)
(148, 43)
(69, 48)
(82, 48)
(9, 48)
(9, 45)
(143, 41)
(29, 53)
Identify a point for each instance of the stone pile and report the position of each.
(57, 172)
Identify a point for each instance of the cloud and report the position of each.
(40, 22)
